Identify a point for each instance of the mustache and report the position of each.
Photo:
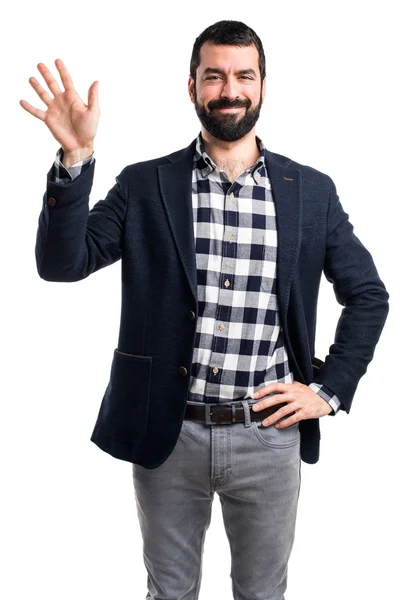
(226, 103)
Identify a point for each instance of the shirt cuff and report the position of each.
(327, 395)
(66, 175)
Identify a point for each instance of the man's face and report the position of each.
(228, 93)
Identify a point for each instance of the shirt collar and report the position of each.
(206, 165)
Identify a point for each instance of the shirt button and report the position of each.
(227, 283)
(215, 370)
(230, 237)
(192, 315)
(231, 195)
(51, 201)
(183, 371)
(221, 327)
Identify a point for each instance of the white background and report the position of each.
(337, 100)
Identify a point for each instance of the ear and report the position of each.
(263, 89)
(191, 88)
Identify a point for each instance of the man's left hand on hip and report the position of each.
(301, 400)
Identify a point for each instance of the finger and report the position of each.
(292, 420)
(281, 416)
(272, 401)
(49, 79)
(45, 96)
(64, 75)
(272, 387)
(36, 112)
(93, 98)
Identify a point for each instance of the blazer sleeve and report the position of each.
(358, 288)
(72, 241)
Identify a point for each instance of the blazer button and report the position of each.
(183, 370)
(51, 201)
(192, 315)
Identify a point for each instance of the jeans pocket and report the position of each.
(276, 438)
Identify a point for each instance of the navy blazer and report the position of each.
(146, 220)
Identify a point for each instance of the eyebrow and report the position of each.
(221, 72)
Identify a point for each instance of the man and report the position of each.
(223, 245)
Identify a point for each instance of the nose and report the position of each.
(229, 90)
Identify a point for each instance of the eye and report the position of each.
(212, 77)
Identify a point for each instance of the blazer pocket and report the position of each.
(125, 406)
(310, 231)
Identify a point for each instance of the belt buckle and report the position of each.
(208, 415)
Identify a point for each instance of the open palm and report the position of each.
(72, 123)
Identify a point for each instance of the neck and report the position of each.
(232, 157)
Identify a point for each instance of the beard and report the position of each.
(227, 126)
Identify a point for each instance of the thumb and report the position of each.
(93, 98)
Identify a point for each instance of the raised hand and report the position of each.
(72, 122)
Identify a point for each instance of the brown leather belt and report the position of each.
(226, 414)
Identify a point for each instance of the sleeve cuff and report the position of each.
(66, 175)
(327, 395)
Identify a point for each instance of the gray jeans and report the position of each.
(256, 472)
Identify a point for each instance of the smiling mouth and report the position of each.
(230, 109)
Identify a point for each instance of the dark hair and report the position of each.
(231, 33)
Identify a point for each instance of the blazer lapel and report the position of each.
(288, 207)
(175, 180)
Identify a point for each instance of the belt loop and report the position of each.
(246, 409)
